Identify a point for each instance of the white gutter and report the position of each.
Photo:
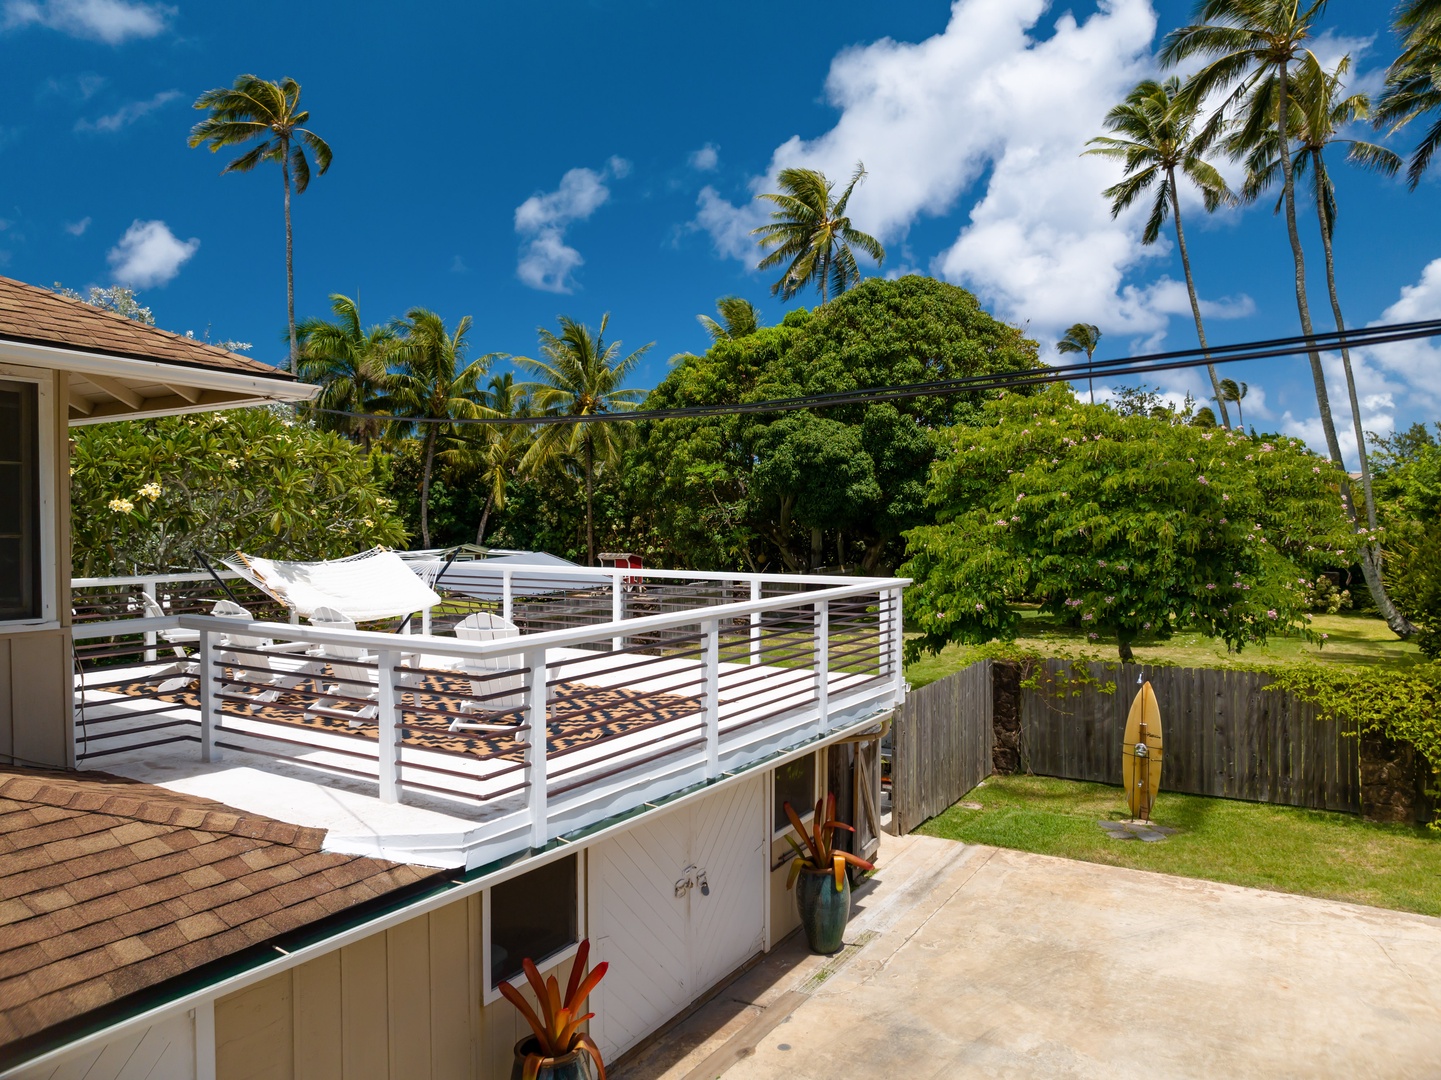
(271, 388)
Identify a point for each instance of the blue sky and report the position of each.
(516, 162)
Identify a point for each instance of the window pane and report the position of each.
(533, 916)
(796, 784)
(19, 503)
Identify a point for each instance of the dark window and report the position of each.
(796, 784)
(534, 916)
(19, 502)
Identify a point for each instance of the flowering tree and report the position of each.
(1125, 526)
(146, 494)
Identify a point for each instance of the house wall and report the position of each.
(35, 680)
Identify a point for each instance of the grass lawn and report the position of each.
(1353, 640)
(1336, 856)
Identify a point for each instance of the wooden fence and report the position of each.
(1225, 734)
(941, 745)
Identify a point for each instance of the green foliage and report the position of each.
(811, 235)
(1125, 526)
(146, 494)
(1408, 496)
(760, 490)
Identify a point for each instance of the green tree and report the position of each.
(431, 386)
(1156, 126)
(1125, 526)
(733, 492)
(145, 495)
(490, 454)
(581, 375)
(258, 109)
(1413, 83)
(738, 318)
(811, 234)
(1231, 390)
(348, 361)
(1408, 494)
(1082, 337)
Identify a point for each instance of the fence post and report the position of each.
(823, 659)
(507, 598)
(387, 719)
(755, 623)
(210, 702)
(535, 710)
(147, 587)
(710, 662)
(617, 609)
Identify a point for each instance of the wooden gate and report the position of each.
(941, 745)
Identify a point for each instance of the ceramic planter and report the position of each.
(574, 1066)
(824, 911)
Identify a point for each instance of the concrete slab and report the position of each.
(1007, 964)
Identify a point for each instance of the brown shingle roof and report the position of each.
(109, 886)
(41, 317)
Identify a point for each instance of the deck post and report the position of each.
(210, 703)
(755, 622)
(617, 609)
(710, 662)
(387, 717)
(823, 682)
(507, 597)
(535, 714)
(147, 586)
(898, 629)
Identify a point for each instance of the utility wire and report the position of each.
(1130, 365)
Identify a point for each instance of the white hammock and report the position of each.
(375, 584)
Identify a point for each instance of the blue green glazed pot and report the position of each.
(824, 911)
(574, 1066)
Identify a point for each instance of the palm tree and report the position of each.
(1157, 139)
(1231, 390)
(811, 231)
(581, 375)
(431, 387)
(1319, 112)
(493, 451)
(1413, 84)
(1082, 337)
(1252, 45)
(258, 109)
(348, 360)
(738, 318)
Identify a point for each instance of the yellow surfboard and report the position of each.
(1141, 753)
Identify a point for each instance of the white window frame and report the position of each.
(491, 993)
(44, 381)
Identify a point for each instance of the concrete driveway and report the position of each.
(973, 961)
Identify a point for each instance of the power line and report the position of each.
(1122, 366)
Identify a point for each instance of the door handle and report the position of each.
(687, 882)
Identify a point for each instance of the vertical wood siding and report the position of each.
(941, 745)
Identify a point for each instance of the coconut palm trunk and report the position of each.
(289, 254)
(426, 471)
(1195, 301)
(484, 517)
(589, 501)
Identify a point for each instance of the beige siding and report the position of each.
(255, 1032)
(784, 917)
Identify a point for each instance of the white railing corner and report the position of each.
(209, 676)
(507, 595)
(710, 634)
(147, 586)
(535, 763)
(617, 608)
(898, 629)
(387, 720)
(755, 622)
(823, 662)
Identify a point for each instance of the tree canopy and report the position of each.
(1127, 526)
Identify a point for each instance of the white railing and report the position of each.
(541, 734)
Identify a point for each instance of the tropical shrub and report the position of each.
(147, 494)
(1124, 526)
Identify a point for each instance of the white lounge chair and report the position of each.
(270, 664)
(492, 691)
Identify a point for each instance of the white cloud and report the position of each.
(149, 254)
(77, 228)
(706, 158)
(457, 266)
(110, 21)
(127, 114)
(546, 261)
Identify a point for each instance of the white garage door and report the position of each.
(666, 950)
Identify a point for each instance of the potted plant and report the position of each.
(823, 895)
(558, 1049)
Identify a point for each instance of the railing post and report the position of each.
(755, 623)
(425, 622)
(535, 712)
(507, 598)
(387, 721)
(617, 609)
(210, 702)
(147, 586)
(823, 659)
(883, 631)
(898, 631)
(710, 662)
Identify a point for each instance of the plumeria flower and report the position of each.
(1093, 637)
(1270, 613)
(232, 463)
(1001, 523)
(150, 491)
(1202, 480)
(1145, 626)
(1110, 599)
(121, 506)
(1315, 468)
(1087, 617)
(1210, 587)
(1225, 498)
(1266, 448)
(367, 523)
(980, 607)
